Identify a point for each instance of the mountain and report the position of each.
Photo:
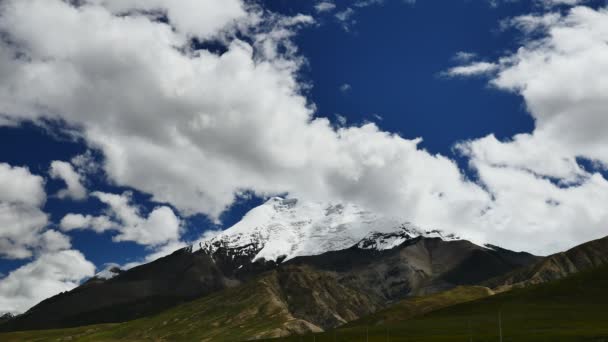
(580, 258)
(350, 255)
(320, 292)
(569, 309)
(305, 294)
(572, 308)
(6, 317)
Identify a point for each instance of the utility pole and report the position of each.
(470, 331)
(500, 324)
(366, 334)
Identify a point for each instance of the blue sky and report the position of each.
(391, 63)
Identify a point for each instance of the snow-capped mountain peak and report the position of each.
(406, 232)
(287, 228)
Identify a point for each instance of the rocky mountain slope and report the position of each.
(580, 258)
(572, 308)
(569, 309)
(6, 317)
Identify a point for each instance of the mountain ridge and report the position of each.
(556, 266)
(382, 261)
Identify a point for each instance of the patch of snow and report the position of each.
(111, 271)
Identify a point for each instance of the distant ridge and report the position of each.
(580, 258)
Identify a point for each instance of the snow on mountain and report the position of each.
(405, 232)
(289, 228)
(111, 271)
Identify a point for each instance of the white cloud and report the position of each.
(54, 241)
(551, 3)
(77, 221)
(547, 4)
(44, 277)
(341, 120)
(85, 163)
(325, 6)
(202, 18)
(159, 228)
(463, 56)
(22, 222)
(366, 3)
(561, 78)
(473, 69)
(531, 22)
(21, 226)
(18, 185)
(345, 17)
(65, 171)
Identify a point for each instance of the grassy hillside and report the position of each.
(571, 309)
(417, 306)
(246, 312)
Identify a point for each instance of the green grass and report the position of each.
(572, 309)
(417, 306)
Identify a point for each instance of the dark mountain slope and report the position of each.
(583, 257)
(417, 267)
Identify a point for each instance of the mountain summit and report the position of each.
(282, 229)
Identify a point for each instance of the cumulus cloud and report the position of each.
(48, 275)
(77, 221)
(161, 226)
(64, 171)
(22, 222)
(18, 185)
(561, 78)
(202, 18)
(24, 234)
